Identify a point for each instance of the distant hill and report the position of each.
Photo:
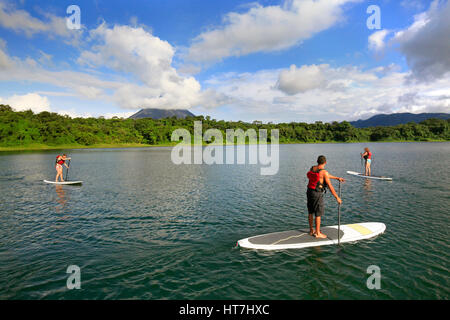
(397, 118)
(161, 113)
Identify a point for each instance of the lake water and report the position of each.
(141, 227)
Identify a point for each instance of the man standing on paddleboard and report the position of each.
(319, 179)
(367, 155)
(60, 161)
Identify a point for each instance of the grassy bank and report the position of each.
(25, 130)
(42, 147)
(38, 147)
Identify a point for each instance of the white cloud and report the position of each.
(32, 101)
(45, 58)
(142, 66)
(124, 115)
(342, 93)
(31, 71)
(137, 53)
(89, 92)
(251, 92)
(266, 29)
(295, 80)
(74, 114)
(426, 43)
(5, 61)
(376, 40)
(144, 74)
(21, 21)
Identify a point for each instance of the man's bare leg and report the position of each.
(311, 228)
(318, 233)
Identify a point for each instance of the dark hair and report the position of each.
(321, 160)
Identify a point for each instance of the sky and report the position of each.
(272, 61)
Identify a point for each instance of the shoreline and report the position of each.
(39, 147)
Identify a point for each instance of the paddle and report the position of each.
(339, 216)
(67, 172)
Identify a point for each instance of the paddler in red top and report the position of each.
(367, 155)
(319, 179)
(60, 160)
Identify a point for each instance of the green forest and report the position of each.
(26, 129)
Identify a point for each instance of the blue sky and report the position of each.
(280, 61)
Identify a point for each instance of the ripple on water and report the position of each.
(162, 231)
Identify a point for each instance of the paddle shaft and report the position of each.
(67, 171)
(339, 216)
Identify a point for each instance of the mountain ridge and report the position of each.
(394, 119)
(161, 113)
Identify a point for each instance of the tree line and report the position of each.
(25, 128)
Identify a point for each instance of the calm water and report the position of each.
(141, 227)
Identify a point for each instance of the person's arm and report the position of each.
(330, 186)
(336, 178)
(66, 163)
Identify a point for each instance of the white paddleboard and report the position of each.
(368, 177)
(296, 239)
(64, 182)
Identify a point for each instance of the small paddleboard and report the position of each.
(64, 182)
(368, 177)
(296, 239)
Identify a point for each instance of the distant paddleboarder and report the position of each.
(319, 180)
(367, 155)
(60, 161)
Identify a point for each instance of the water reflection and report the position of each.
(368, 185)
(367, 196)
(61, 198)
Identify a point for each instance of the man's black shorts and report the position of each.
(315, 202)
